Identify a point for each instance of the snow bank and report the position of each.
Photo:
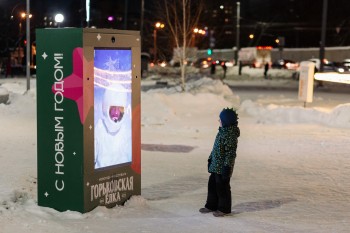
(19, 201)
(202, 85)
(258, 73)
(4, 95)
(172, 105)
(198, 88)
(337, 117)
(163, 105)
(14, 87)
(3, 91)
(23, 104)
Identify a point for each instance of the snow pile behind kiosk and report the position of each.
(88, 117)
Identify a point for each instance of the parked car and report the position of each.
(328, 66)
(285, 64)
(345, 66)
(341, 67)
(201, 63)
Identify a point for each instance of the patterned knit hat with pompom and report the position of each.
(228, 117)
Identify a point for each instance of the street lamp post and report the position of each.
(27, 16)
(158, 25)
(196, 31)
(28, 44)
(323, 33)
(237, 32)
(19, 47)
(251, 39)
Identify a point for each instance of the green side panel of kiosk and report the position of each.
(59, 126)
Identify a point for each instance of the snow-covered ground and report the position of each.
(291, 175)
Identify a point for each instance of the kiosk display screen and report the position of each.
(112, 107)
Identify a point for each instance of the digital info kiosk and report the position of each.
(88, 117)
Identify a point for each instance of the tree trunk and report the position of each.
(181, 29)
(183, 57)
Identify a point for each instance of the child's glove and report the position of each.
(226, 173)
(209, 162)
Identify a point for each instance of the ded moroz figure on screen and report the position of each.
(112, 133)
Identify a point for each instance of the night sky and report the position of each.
(261, 10)
(299, 21)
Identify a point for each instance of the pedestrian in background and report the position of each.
(8, 71)
(224, 68)
(212, 68)
(266, 69)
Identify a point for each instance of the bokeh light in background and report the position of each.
(110, 18)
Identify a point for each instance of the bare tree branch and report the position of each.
(182, 17)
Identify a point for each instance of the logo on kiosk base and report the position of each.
(112, 191)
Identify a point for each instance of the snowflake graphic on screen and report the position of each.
(112, 65)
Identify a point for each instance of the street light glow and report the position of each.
(199, 31)
(159, 25)
(59, 18)
(23, 15)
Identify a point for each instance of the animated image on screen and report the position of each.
(112, 107)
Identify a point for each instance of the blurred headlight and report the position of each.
(229, 64)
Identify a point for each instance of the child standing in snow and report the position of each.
(220, 164)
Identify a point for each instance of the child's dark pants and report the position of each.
(219, 194)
